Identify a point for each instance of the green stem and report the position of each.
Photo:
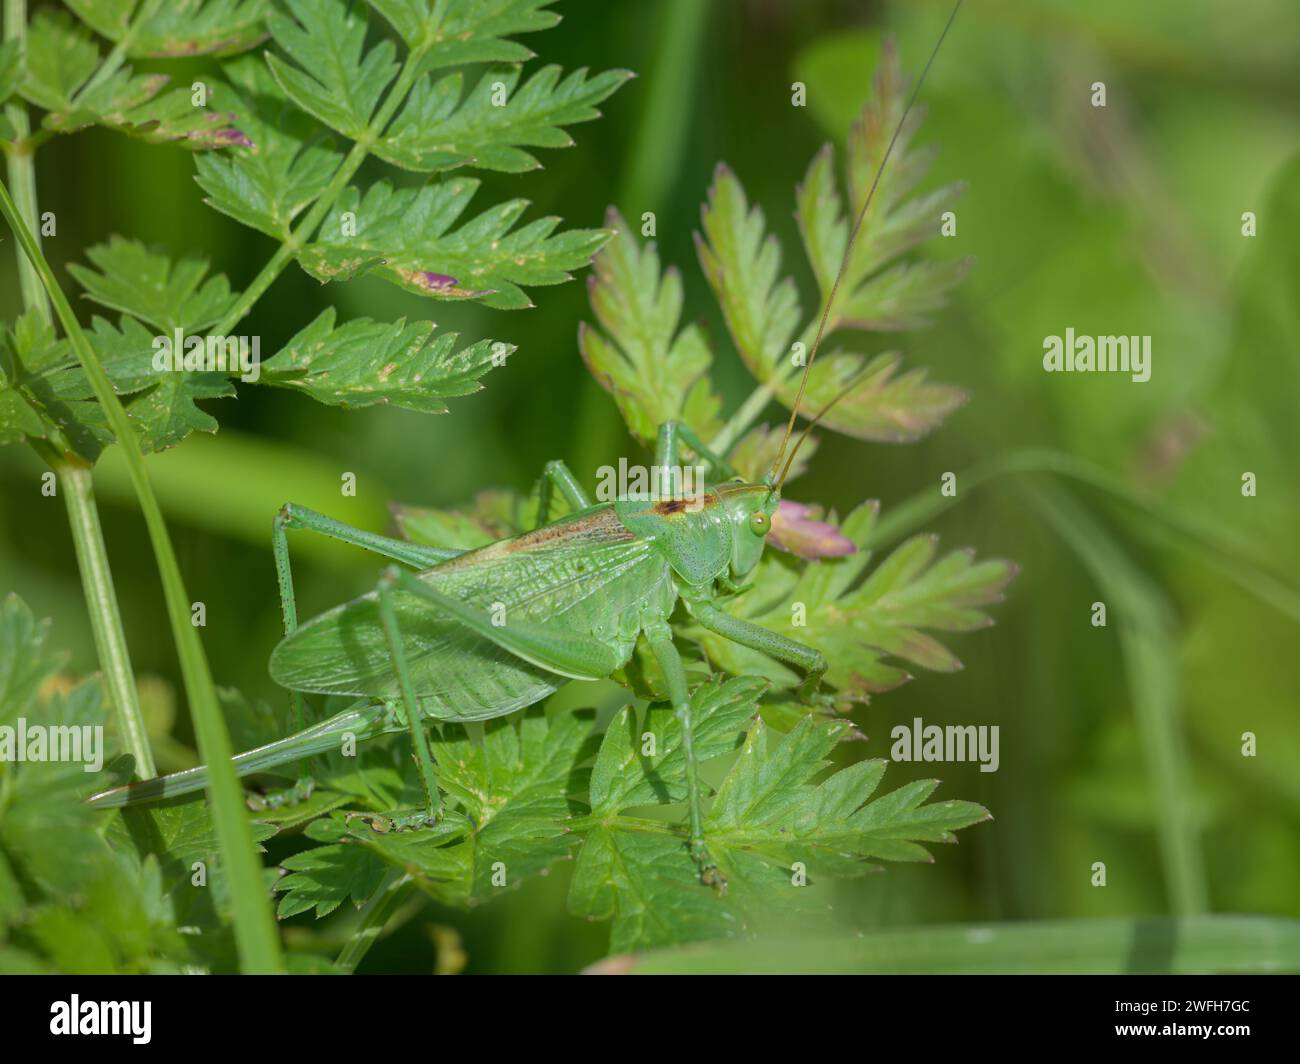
(325, 202)
(255, 931)
(74, 477)
(105, 621)
(22, 174)
(394, 890)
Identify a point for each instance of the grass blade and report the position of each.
(1162, 945)
(1146, 629)
(255, 930)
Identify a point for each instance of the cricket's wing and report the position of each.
(586, 573)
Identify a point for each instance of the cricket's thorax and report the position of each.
(704, 537)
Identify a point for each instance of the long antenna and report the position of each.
(848, 254)
(849, 385)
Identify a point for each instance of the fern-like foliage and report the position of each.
(787, 809)
(542, 788)
(73, 899)
(62, 71)
(336, 86)
(882, 290)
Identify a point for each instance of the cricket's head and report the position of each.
(748, 510)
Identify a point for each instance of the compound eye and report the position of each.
(759, 523)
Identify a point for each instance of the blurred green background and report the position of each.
(1119, 744)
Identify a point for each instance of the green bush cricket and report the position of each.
(480, 634)
(473, 635)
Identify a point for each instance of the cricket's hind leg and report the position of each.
(660, 638)
(299, 517)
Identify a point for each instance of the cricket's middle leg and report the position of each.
(672, 434)
(660, 638)
(557, 476)
(411, 704)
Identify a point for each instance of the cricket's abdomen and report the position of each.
(588, 583)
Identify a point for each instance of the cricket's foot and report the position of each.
(400, 820)
(299, 792)
(710, 874)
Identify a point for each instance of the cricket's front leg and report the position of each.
(756, 637)
(660, 638)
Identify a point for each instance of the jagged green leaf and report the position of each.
(768, 807)
(45, 829)
(178, 27)
(165, 411)
(42, 386)
(437, 130)
(335, 78)
(742, 263)
(898, 219)
(284, 169)
(149, 285)
(58, 65)
(513, 792)
(878, 401)
(655, 372)
(645, 883)
(60, 55)
(364, 362)
(773, 827)
(45, 384)
(860, 619)
(405, 235)
(626, 776)
(460, 33)
(638, 872)
(324, 877)
(22, 355)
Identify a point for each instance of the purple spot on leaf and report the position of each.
(436, 281)
(232, 136)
